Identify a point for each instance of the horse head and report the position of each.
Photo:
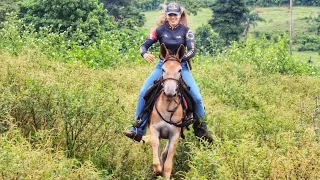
(171, 70)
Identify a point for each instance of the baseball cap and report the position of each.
(173, 8)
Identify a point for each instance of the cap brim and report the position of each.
(177, 13)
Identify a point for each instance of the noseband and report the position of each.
(171, 58)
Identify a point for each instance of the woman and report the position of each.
(172, 31)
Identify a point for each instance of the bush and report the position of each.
(112, 48)
(268, 56)
(21, 160)
(208, 42)
(309, 43)
(84, 20)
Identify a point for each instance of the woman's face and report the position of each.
(173, 19)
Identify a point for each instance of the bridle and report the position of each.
(179, 94)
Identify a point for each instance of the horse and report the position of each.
(167, 112)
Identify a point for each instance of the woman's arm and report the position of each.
(151, 39)
(191, 46)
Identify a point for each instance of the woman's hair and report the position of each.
(163, 17)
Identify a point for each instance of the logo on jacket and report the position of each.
(166, 35)
(178, 37)
(190, 35)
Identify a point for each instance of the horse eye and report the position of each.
(179, 70)
(163, 71)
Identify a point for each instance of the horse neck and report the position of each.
(163, 104)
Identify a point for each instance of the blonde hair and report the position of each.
(163, 17)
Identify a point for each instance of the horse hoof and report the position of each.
(157, 174)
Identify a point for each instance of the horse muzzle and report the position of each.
(170, 95)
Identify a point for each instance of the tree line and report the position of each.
(84, 22)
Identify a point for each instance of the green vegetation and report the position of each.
(7, 7)
(276, 23)
(195, 21)
(124, 12)
(228, 19)
(259, 118)
(64, 105)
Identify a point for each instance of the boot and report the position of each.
(133, 135)
(201, 131)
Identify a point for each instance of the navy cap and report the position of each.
(173, 8)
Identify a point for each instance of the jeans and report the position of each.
(156, 74)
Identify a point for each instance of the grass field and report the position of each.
(277, 21)
(262, 123)
(277, 18)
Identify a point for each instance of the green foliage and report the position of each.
(283, 2)
(208, 42)
(124, 12)
(257, 119)
(22, 160)
(84, 20)
(228, 19)
(111, 49)
(315, 25)
(192, 6)
(309, 43)
(268, 57)
(251, 20)
(6, 7)
(259, 103)
(148, 5)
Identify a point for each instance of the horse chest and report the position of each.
(165, 130)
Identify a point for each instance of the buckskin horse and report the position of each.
(166, 117)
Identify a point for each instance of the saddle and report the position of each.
(187, 102)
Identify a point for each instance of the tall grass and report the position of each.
(261, 122)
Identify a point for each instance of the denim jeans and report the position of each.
(156, 74)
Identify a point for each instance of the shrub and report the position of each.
(268, 56)
(208, 42)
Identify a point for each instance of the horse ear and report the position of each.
(163, 51)
(180, 52)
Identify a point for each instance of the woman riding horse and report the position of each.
(172, 31)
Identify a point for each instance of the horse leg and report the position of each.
(167, 169)
(155, 142)
(164, 154)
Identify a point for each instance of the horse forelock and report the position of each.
(171, 58)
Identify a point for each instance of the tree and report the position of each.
(228, 19)
(251, 20)
(83, 19)
(208, 42)
(192, 6)
(124, 12)
(7, 6)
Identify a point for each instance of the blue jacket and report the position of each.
(172, 38)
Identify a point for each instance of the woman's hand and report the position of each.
(148, 57)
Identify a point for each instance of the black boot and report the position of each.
(133, 135)
(201, 131)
